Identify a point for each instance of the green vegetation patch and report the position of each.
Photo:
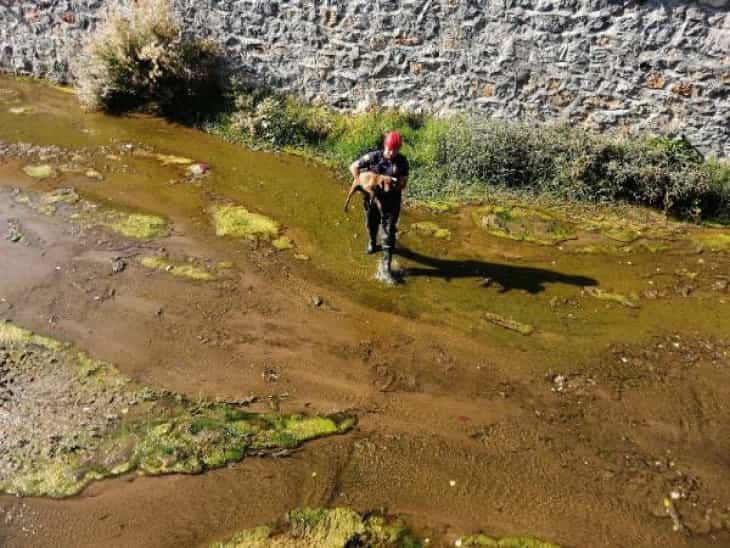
(239, 222)
(327, 528)
(523, 224)
(179, 270)
(508, 323)
(145, 431)
(714, 240)
(624, 300)
(431, 229)
(338, 527)
(135, 225)
(13, 335)
(283, 243)
(43, 171)
(475, 541)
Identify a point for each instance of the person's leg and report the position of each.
(372, 221)
(391, 212)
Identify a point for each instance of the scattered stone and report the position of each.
(118, 265)
(93, 174)
(317, 300)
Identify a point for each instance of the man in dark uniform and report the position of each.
(388, 161)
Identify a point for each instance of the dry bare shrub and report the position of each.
(138, 56)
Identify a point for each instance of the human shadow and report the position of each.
(508, 277)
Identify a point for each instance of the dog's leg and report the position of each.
(356, 187)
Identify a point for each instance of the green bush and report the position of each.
(139, 57)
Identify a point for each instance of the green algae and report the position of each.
(239, 222)
(523, 224)
(716, 240)
(624, 300)
(170, 159)
(135, 225)
(475, 541)
(43, 171)
(170, 434)
(178, 270)
(13, 335)
(283, 243)
(338, 527)
(508, 323)
(327, 528)
(431, 229)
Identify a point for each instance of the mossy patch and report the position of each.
(283, 243)
(170, 159)
(624, 300)
(135, 225)
(338, 527)
(327, 528)
(508, 323)
(430, 228)
(13, 335)
(60, 195)
(43, 171)
(169, 434)
(716, 240)
(179, 270)
(239, 222)
(475, 541)
(524, 224)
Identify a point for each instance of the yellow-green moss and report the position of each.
(43, 171)
(716, 240)
(12, 335)
(597, 293)
(136, 225)
(431, 229)
(475, 541)
(283, 243)
(327, 528)
(524, 224)
(60, 195)
(239, 222)
(180, 270)
(508, 323)
(169, 159)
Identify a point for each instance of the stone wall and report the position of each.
(639, 65)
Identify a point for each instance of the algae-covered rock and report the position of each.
(524, 224)
(239, 222)
(178, 270)
(508, 323)
(111, 426)
(43, 171)
(431, 229)
(624, 300)
(327, 528)
(475, 541)
(60, 195)
(135, 225)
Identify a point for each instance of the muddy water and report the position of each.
(444, 395)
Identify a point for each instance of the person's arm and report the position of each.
(362, 164)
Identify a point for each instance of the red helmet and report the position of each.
(393, 140)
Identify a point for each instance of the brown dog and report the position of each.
(367, 183)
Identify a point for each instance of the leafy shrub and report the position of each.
(139, 57)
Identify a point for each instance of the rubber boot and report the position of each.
(385, 271)
(372, 247)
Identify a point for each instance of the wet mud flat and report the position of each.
(533, 376)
